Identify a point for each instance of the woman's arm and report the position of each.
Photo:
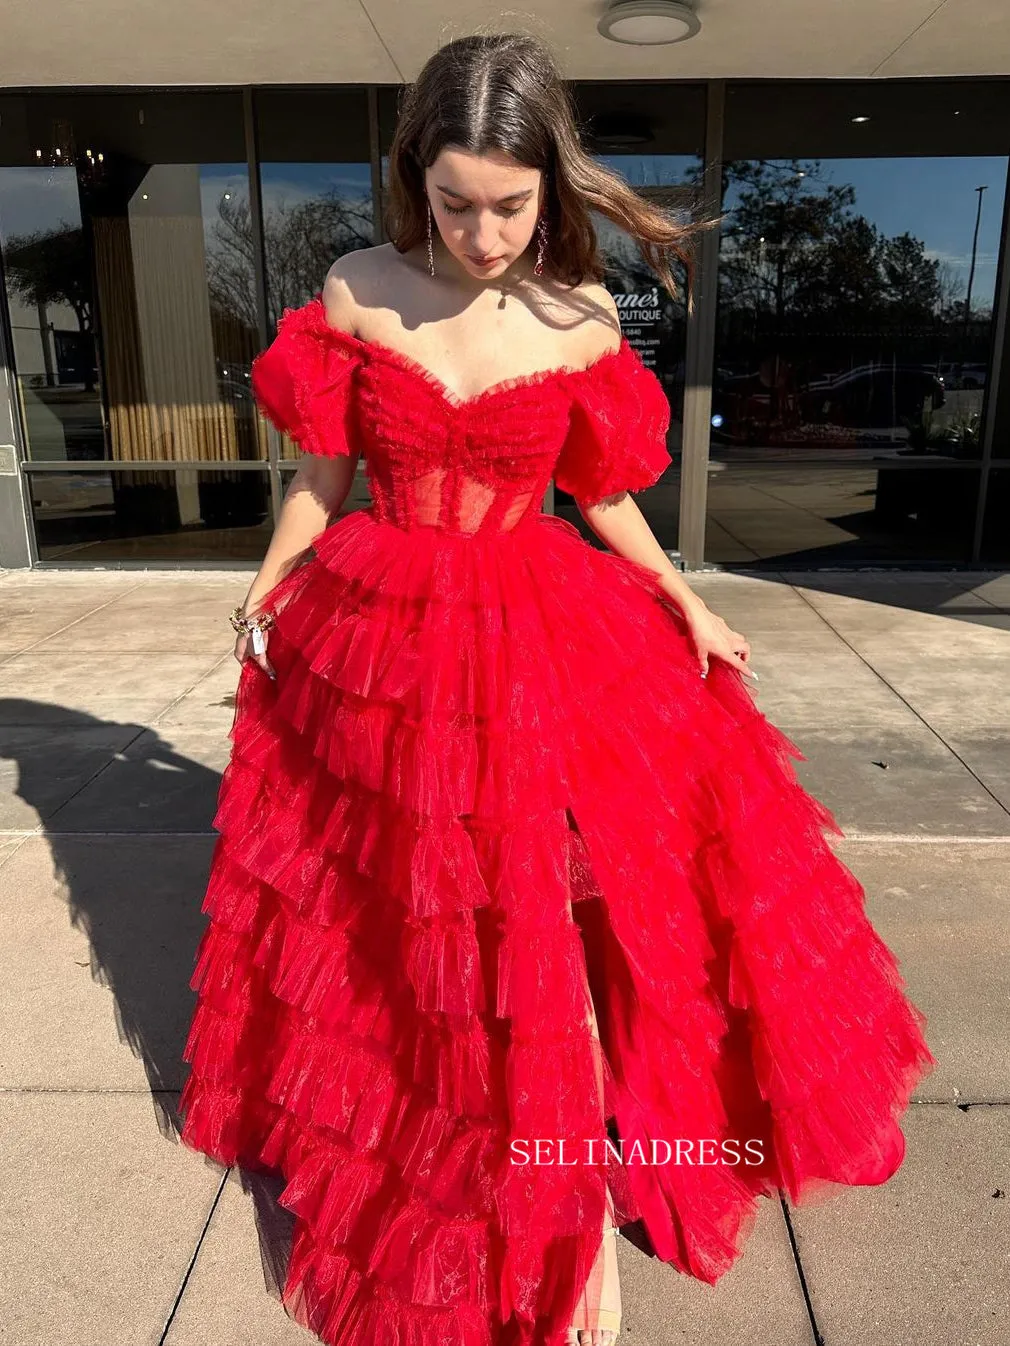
(618, 522)
(318, 489)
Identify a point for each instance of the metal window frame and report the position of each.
(995, 375)
(13, 449)
(699, 357)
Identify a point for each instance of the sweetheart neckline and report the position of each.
(441, 388)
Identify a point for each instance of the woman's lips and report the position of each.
(483, 261)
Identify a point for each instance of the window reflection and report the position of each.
(312, 214)
(854, 316)
(653, 322)
(176, 315)
(52, 317)
(169, 514)
(316, 187)
(126, 237)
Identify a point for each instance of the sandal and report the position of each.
(607, 1317)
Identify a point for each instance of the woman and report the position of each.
(522, 927)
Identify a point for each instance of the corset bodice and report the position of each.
(476, 465)
(473, 465)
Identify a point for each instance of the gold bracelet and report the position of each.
(260, 621)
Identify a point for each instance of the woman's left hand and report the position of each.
(713, 638)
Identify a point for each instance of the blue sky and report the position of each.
(931, 198)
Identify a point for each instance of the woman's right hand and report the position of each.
(244, 650)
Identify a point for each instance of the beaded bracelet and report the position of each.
(260, 621)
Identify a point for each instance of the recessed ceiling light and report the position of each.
(648, 23)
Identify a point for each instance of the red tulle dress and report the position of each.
(488, 794)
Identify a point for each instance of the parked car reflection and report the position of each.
(772, 405)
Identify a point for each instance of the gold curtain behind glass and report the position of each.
(160, 380)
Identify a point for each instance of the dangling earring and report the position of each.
(538, 269)
(431, 259)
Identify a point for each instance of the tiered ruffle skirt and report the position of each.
(487, 793)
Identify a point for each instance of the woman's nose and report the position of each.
(484, 237)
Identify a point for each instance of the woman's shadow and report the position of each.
(127, 819)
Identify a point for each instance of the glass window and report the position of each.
(854, 328)
(168, 514)
(996, 527)
(127, 253)
(316, 183)
(653, 136)
(655, 324)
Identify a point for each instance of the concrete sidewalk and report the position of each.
(115, 705)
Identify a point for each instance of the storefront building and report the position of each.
(840, 394)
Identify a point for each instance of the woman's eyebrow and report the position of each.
(512, 196)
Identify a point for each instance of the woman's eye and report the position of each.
(461, 210)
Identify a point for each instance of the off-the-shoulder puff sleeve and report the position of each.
(303, 381)
(616, 437)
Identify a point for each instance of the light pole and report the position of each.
(971, 277)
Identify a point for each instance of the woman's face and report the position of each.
(485, 207)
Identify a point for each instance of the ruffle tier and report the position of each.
(488, 780)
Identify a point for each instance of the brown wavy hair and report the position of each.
(503, 91)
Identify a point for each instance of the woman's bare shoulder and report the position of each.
(355, 281)
(594, 318)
